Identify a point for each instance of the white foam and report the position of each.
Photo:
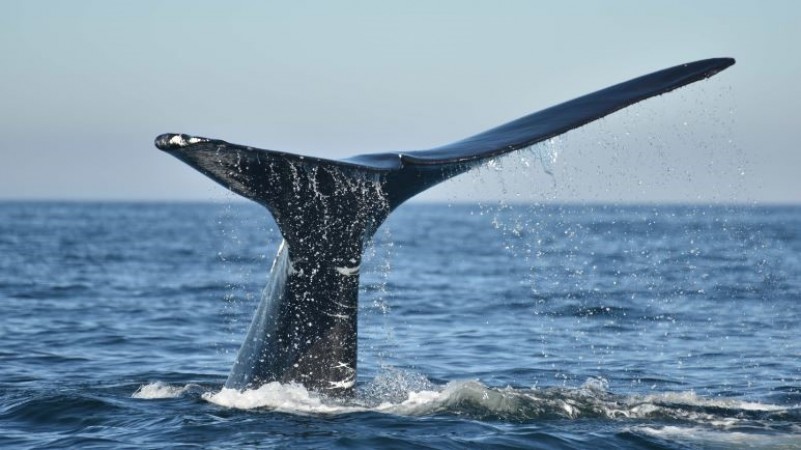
(295, 399)
(408, 394)
(292, 398)
(159, 390)
(708, 437)
(690, 398)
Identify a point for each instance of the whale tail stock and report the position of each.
(305, 326)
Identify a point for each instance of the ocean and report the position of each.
(481, 326)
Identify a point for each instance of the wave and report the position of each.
(405, 394)
(160, 390)
(723, 438)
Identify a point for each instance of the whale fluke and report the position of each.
(304, 329)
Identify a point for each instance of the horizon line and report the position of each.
(458, 202)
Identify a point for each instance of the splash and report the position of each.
(290, 398)
(404, 393)
(159, 390)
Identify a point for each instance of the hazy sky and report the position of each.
(85, 86)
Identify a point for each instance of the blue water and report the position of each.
(490, 326)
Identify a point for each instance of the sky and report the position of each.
(85, 86)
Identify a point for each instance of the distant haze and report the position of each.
(85, 86)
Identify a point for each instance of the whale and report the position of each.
(304, 329)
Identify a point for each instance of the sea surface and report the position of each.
(481, 326)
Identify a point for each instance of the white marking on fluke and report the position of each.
(181, 142)
(338, 316)
(349, 271)
(342, 365)
(344, 384)
(291, 268)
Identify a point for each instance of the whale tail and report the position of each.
(305, 327)
(278, 179)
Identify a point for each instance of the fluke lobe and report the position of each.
(304, 329)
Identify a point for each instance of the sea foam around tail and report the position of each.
(410, 395)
